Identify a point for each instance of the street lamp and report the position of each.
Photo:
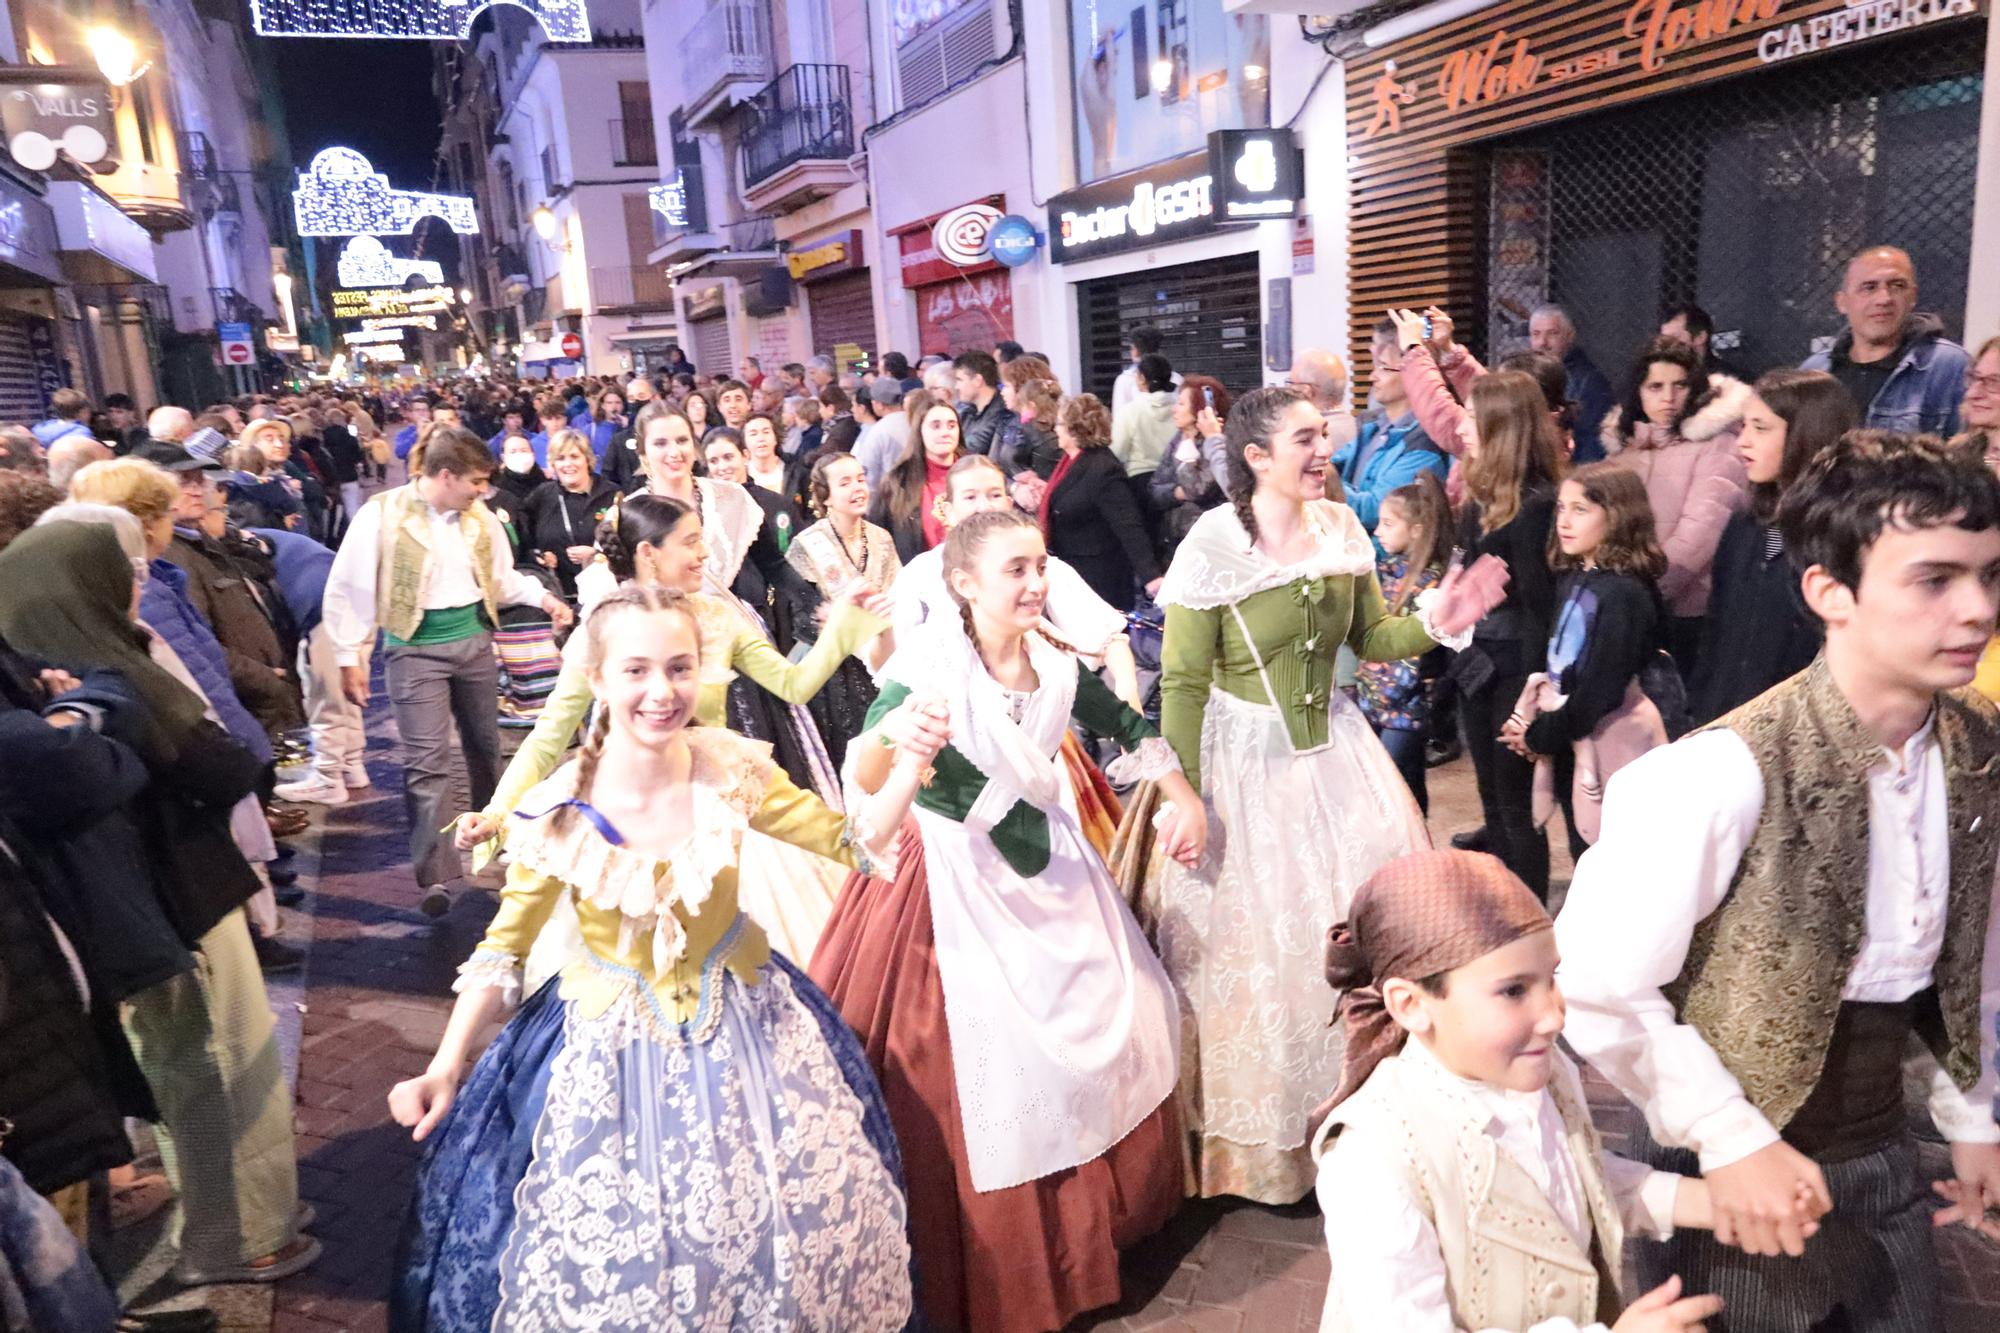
(465, 296)
(116, 54)
(546, 222)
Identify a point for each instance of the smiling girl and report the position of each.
(1260, 597)
(1024, 1032)
(658, 1139)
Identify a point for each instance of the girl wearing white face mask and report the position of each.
(519, 474)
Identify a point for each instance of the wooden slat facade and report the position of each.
(1416, 234)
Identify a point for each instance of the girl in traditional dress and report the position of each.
(679, 1133)
(1023, 1030)
(975, 485)
(840, 553)
(1261, 595)
(745, 563)
(659, 542)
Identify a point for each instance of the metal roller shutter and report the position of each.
(843, 311)
(20, 395)
(711, 346)
(1210, 318)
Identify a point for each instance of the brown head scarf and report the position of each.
(1420, 915)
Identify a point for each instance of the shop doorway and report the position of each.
(1747, 197)
(1209, 316)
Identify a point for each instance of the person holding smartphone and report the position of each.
(1392, 450)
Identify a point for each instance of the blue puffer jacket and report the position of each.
(164, 605)
(1405, 455)
(1923, 392)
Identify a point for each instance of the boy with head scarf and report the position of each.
(1462, 1182)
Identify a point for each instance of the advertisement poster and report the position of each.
(1153, 77)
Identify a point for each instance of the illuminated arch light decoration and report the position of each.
(341, 194)
(441, 20)
(366, 262)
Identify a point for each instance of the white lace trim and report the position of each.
(1151, 761)
(488, 967)
(1218, 564)
(729, 777)
(1426, 608)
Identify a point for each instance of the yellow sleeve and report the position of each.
(562, 714)
(847, 629)
(525, 904)
(793, 815)
(1987, 679)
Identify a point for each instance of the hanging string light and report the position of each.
(444, 20)
(366, 262)
(341, 194)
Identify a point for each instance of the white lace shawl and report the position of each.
(1217, 564)
(729, 776)
(730, 521)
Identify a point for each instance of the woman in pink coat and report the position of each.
(1678, 430)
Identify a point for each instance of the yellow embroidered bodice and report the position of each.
(669, 926)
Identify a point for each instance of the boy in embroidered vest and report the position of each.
(1461, 1180)
(430, 565)
(1779, 902)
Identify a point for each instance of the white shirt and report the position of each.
(348, 608)
(1676, 823)
(1388, 1272)
(1086, 621)
(881, 444)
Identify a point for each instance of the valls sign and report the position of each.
(73, 115)
(1170, 201)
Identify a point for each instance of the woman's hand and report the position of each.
(1515, 737)
(547, 560)
(1441, 330)
(1209, 424)
(57, 682)
(1153, 588)
(1026, 490)
(919, 729)
(1184, 836)
(581, 556)
(422, 1101)
(1467, 594)
(1409, 328)
(472, 830)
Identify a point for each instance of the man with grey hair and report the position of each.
(882, 443)
(820, 373)
(19, 451)
(1893, 359)
(1323, 374)
(1552, 332)
(171, 425)
(71, 455)
(941, 379)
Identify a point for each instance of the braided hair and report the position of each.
(961, 549)
(1253, 419)
(629, 597)
(637, 520)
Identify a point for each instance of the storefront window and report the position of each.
(1153, 77)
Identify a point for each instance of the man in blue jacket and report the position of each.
(1902, 372)
(1552, 332)
(1392, 449)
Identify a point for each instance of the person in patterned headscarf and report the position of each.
(1455, 1104)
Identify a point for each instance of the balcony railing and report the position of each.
(632, 143)
(232, 306)
(801, 115)
(731, 41)
(758, 233)
(197, 153)
(636, 286)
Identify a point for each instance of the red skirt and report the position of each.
(1026, 1259)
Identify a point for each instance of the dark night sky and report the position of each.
(373, 96)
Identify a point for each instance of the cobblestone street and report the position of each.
(376, 994)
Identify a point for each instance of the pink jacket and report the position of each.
(1438, 411)
(1695, 480)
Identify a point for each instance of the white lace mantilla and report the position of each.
(1150, 762)
(729, 777)
(1218, 564)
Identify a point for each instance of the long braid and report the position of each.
(1252, 420)
(586, 763)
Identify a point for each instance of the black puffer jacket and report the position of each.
(53, 1084)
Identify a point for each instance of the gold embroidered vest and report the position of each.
(406, 550)
(1764, 972)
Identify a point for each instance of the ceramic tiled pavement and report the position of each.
(376, 994)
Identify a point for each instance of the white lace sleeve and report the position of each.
(489, 967)
(1426, 607)
(1151, 761)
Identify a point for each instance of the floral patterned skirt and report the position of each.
(613, 1173)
